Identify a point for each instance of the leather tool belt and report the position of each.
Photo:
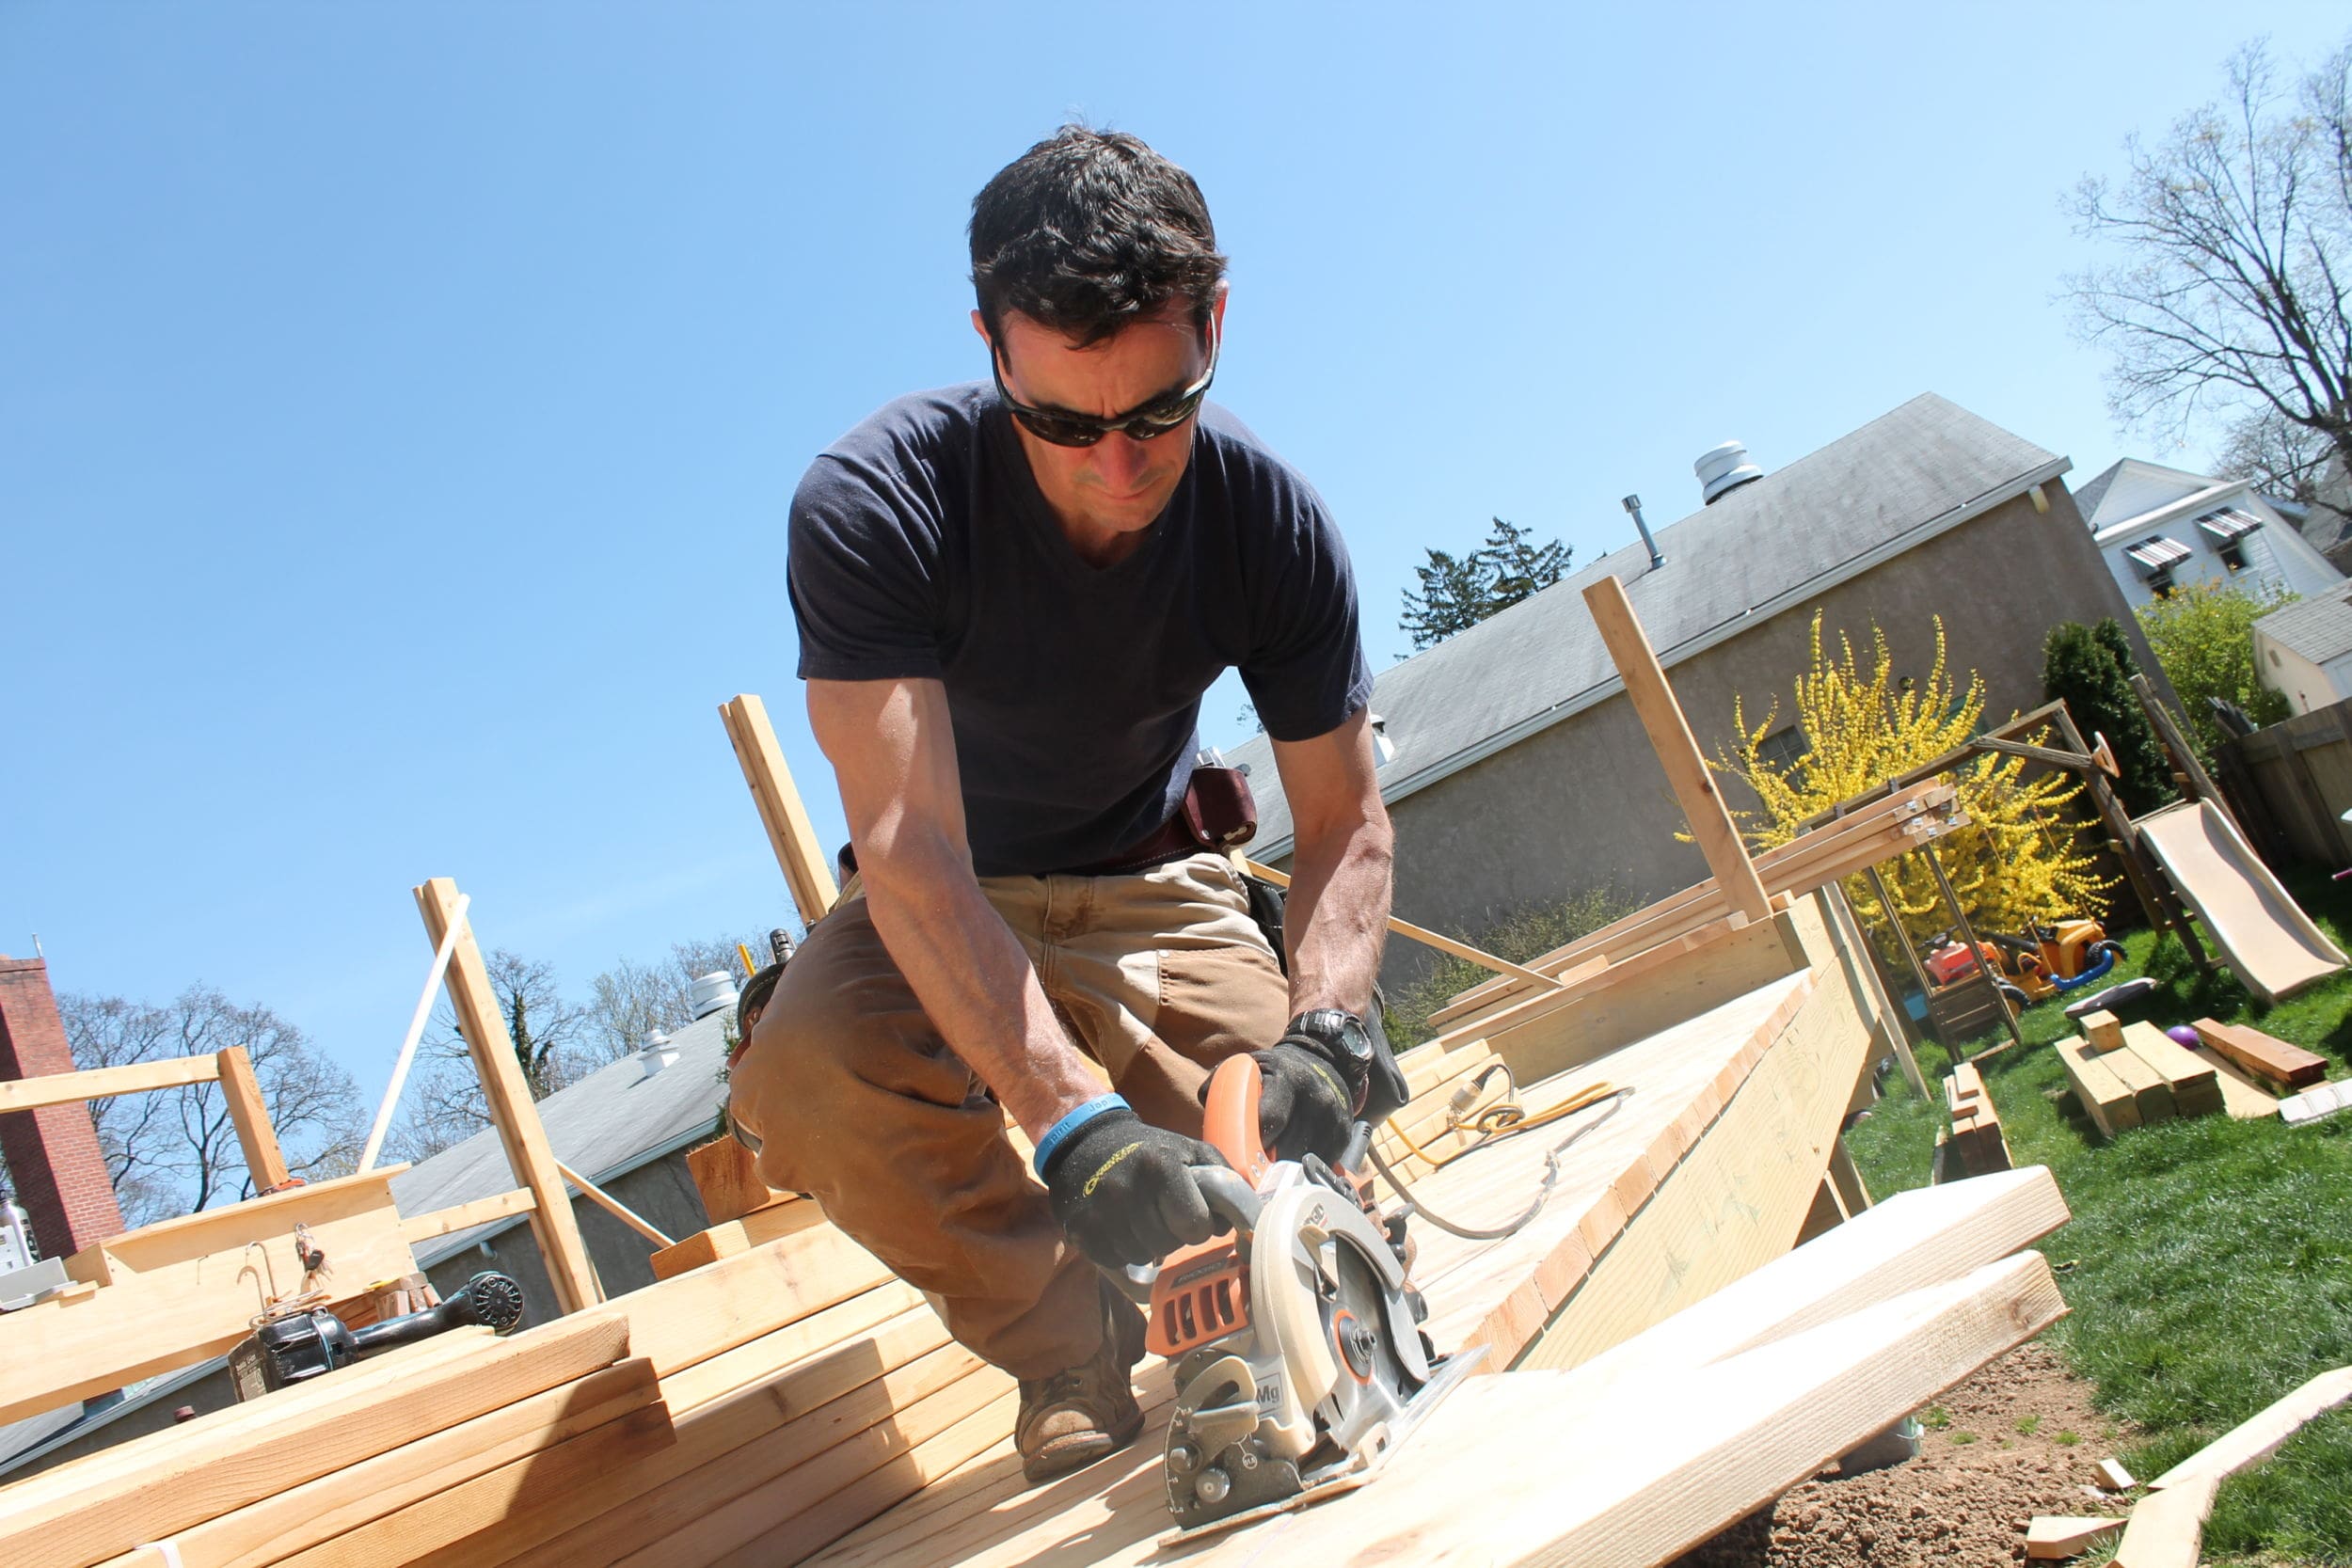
(1217, 813)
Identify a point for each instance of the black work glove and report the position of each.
(1303, 1104)
(1124, 1190)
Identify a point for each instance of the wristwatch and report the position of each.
(1341, 1036)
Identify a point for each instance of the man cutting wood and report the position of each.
(1011, 596)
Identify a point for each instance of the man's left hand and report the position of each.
(1304, 1104)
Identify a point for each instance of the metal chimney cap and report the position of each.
(1722, 469)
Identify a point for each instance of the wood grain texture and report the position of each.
(2288, 1066)
(756, 1228)
(256, 1138)
(465, 1216)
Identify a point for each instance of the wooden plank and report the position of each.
(613, 1206)
(2195, 1089)
(298, 1517)
(2243, 1098)
(1653, 700)
(422, 1531)
(256, 1138)
(553, 1226)
(865, 1317)
(2105, 1099)
(1415, 933)
(2255, 1439)
(2151, 1094)
(465, 1216)
(2167, 1530)
(2289, 1067)
(1661, 1462)
(742, 1439)
(807, 869)
(726, 1175)
(189, 1288)
(2102, 1031)
(756, 1228)
(2313, 1105)
(2054, 1538)
(105, 1083)
(696, 1316)
(154, 1486)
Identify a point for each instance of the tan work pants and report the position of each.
(854, 1098)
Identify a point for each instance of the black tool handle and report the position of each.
(490, 1299)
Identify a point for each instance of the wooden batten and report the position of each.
(807, 869)
(511, 1110)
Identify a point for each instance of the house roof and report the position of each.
(2094, 490)
(606, 1125)
(1764, 547)
(2133, 488)
(2318, 627)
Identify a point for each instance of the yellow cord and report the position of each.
(1502, 1119)
(749, 968)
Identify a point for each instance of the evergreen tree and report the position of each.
(2091, 667)
(1458, 593)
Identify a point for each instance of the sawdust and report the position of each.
(1996, 1453)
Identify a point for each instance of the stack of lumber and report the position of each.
(462, 1422)
(1873, 834)
(1975, 1145)
(2132, 1075)
(2286, 1068)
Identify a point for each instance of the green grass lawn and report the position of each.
(2209, 1262)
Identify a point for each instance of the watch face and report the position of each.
(1343, 1029)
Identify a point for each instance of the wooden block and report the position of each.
(153, 1486)
(2168, 1529)
(2105, 1099)
(2118, 1479)
(2243, 1098)
(2195, 1087)
(2102, 1031)
(725, 1175)
(2054, 1538)
(2290, 1066)
(2150, 1092)
(756, 1228)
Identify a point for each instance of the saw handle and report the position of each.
(1230, 1123)
(1229, 1198)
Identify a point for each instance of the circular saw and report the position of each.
(1296, 1343)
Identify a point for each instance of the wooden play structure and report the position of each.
(1703, 1306)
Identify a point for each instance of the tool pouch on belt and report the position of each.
(1218, 810)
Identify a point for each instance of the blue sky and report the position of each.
(399, 403)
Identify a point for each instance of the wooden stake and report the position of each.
(264, 1160)
(512, 1111)
(613, 1206)
(1415, 933)
(807, 868)
(1677, 749)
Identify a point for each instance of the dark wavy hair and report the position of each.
(1088, 230)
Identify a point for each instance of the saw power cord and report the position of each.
(1496, 1122)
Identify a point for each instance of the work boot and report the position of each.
(1072, 1418)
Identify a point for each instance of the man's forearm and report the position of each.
(1336, 919)
(976, 982)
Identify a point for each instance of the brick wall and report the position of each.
(52, 1153)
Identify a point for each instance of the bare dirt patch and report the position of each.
(2020, 1438)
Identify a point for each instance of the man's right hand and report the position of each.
(1126, 1192)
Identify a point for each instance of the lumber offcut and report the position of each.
(2267, 1057)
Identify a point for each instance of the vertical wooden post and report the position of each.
(264, 1160)
(1677, 749)
(512, 1111)
(807, 869)
(2184, 754)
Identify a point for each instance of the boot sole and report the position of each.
(1069, 1457)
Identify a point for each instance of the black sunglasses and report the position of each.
(1153, 417)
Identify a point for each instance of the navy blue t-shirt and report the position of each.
(922, 548)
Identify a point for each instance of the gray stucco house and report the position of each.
(1517, 774)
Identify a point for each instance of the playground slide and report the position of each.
(2262, 934)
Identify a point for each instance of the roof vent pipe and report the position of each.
(711, 992)
(1633, 505)
(1722, 469)
(656, 1054)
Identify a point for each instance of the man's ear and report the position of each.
(980, 325)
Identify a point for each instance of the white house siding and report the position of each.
(2276, 558)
